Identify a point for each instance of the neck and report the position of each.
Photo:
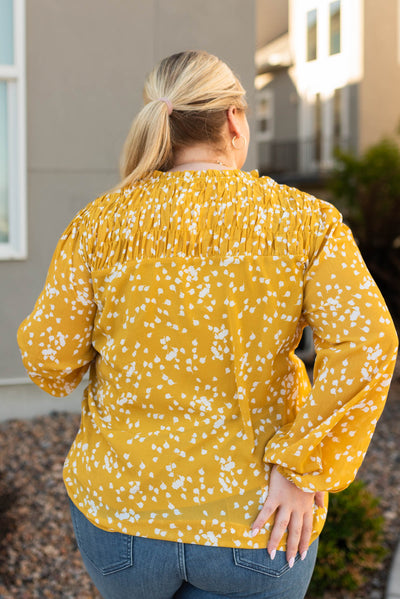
(200, 157)
(199, 165)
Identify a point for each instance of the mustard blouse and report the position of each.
(186, 295)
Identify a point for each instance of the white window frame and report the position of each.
(15, 77)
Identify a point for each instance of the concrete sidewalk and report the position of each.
(26, 400)
(393, 588)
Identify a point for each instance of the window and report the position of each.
(334, 27)
(318, 128)
(264, 115)
(337, 118)
(312, 34)
(12, 130)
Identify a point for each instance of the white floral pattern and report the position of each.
(187, 296)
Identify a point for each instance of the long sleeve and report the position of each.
(55, 339)
(356, 345)
(187, 294)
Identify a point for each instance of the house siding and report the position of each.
(380, 87)
(86, 63)
(281, 151)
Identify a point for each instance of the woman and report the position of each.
(204, 455)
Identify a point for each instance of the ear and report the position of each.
(232, 115)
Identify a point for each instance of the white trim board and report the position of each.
(26, 401)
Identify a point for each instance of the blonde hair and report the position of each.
(199, 88)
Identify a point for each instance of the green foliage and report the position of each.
(367, 190)
(351, 544)
(369, 187)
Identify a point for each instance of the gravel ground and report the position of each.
(38, 553)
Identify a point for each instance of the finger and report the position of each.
(263, 516)
(279, 528)
(306, 532)
(319, 498)
(293, 539)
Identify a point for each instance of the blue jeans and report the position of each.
(127, 567)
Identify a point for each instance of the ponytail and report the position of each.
(186, 99)
(148, 145)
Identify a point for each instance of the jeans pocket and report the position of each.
(108, 552)
(259, 561)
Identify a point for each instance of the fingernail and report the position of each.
(272, 554)
(303, 555)
(291, 562)
(254, 532)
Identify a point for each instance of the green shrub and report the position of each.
(351, 544)
(367, 189)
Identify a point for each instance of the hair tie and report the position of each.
(168, 103)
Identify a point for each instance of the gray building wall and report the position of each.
(272, 20)
(379, 93)
(86, 63)
(286, 101)
(281, 153)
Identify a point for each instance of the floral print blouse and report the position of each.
(186, 296)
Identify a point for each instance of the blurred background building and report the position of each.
(71, 80)
(326, 73)
(328, 76)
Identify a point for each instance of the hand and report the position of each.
(293, 510)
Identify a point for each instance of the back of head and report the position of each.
(186, 98)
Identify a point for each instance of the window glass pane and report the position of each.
(312, 34)
(4, 229)
(6, 32)
(263, 125)
(264, 105)
(264, 111)
(334, 27)
(318, 128)
(337, 117)
(265, 114)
